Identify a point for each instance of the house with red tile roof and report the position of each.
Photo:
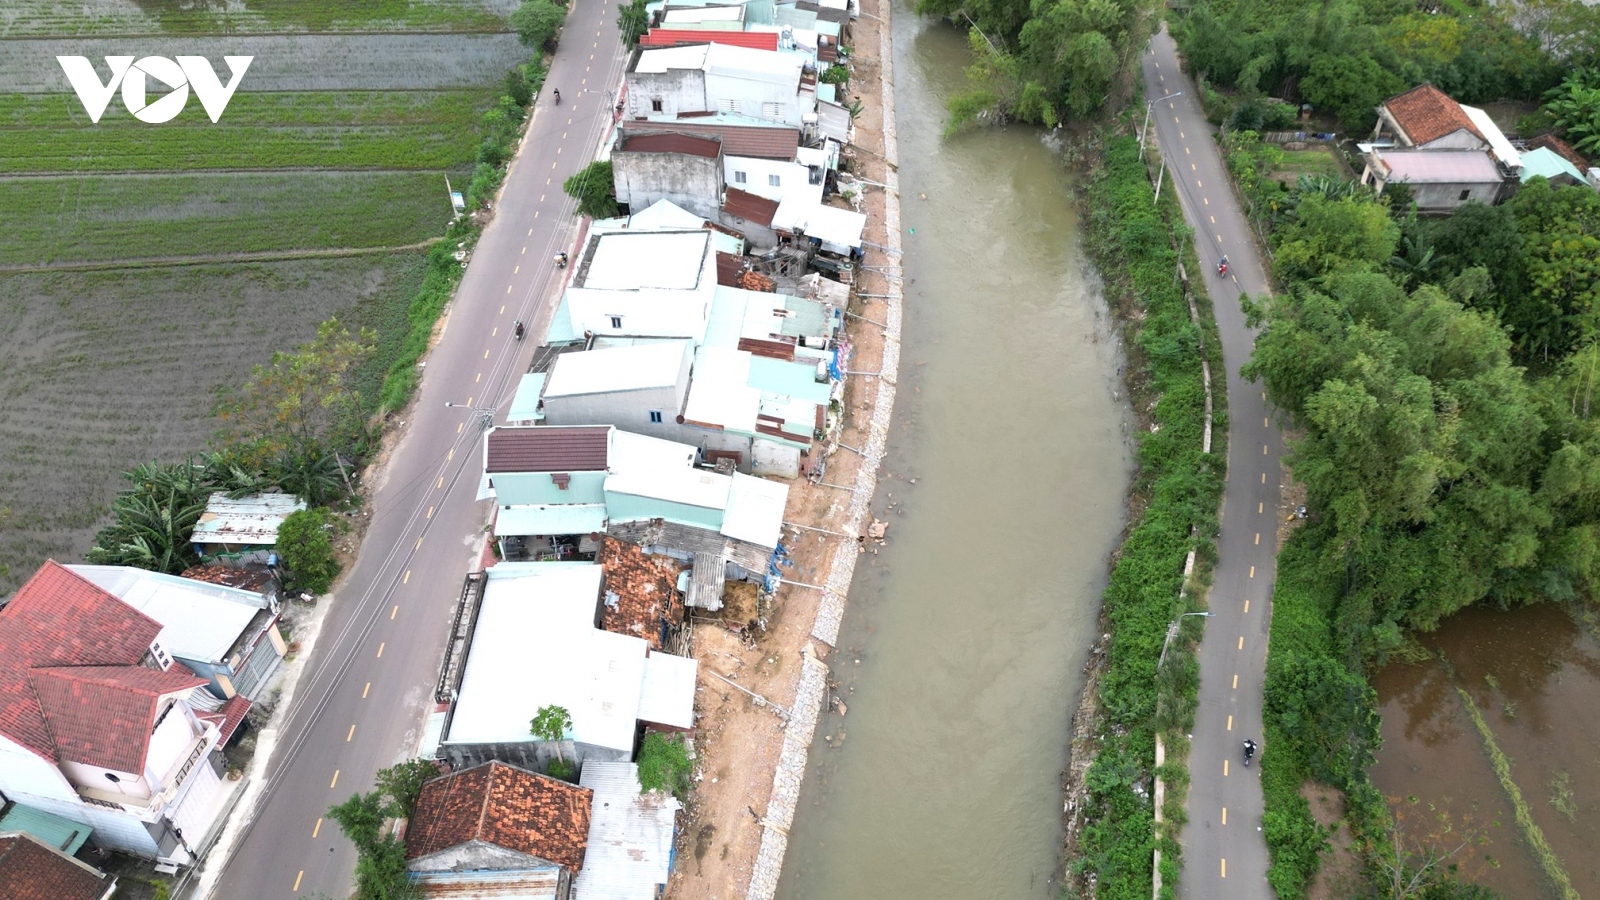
(1446, 153)
(100, 726)
(500, 831)
(30, 870)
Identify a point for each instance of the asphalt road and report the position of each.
(1224, 853)
(362, 704)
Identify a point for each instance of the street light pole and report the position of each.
(485, 413)
(1172, 632)
(1146, 129)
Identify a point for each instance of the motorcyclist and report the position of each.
(1249, 750)
(561, 260)
(557, 92)
(1222, 267)
(517, 329)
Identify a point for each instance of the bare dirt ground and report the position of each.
(1339, 875)
(737, 741)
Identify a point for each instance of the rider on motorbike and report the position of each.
(1249, 750)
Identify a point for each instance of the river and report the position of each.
(963, 645)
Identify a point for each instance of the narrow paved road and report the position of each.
(1224, 854)
(362, 704)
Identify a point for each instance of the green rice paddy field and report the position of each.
(101, 370)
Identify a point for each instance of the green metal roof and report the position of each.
(586, 518)
(525, 402)
(1548, 163)
(789, 379)
(63, 834)
(810, 317)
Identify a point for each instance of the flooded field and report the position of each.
(963, 644)
(1534, 677)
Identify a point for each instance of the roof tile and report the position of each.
(31, 871)
(760, 141)
(59, 619)
(645, 588)
(504, 806)
(548, 448)
(103, 715)
(1427, 114)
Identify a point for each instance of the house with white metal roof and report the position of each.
(223, 634)
(638, 387)
(629, 854)
(763, 84)
(536, 642)
(644, 284)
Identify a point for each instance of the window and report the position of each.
(655, 417)
(1466, 194)
(728, 106)
(616, 321)
(772, 110)
(738, 178)
(774, 181)
(655, 105)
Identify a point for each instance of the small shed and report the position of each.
(243, 529)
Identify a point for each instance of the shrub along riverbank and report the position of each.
(1176, 495)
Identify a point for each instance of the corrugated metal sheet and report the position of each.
(759, 141)
(705, 585)
(749, 207)
(678, 37)
(670, 142)
(547, 449)
(251, 520)
(63, 834)
(630, 836)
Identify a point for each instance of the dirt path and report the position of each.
(736, 825)
(151, 262)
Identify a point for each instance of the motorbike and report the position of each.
(1249, 751)
(517, 329)
(561, 260)
(1222, 267)
(558, 97)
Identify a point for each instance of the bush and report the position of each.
(559, 768)
(664, 764)
(537, 22)
(305, 544)
(835, 74)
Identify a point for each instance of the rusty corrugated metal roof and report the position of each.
(759, 141)
(749, 207)
(670, 142)
(680, 37)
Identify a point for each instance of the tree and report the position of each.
(1351, 233)
(1574, 105)
(305, 403)
(664, 764)
(154, 519)
(1351, 86)
(633, 20)
(594, 189)
(551, 723)
(381, 872)
(402, 784)
(360, 818)
(537, 22)
(1560, 303)
(306, 547)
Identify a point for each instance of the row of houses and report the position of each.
(1450, 154)
(693, 367)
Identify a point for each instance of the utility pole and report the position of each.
(1145, 130)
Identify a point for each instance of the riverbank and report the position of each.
(1131, 707)
(751, 754)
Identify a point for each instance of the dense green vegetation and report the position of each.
(186, 17)
(1345, 56)
(1441, 373)
(664, 764)
(1045, 60)
(594, 189)
(381, 857)
(1133, 240)
(305, 544)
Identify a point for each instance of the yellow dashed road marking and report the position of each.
(335, 780)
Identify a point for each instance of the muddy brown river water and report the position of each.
(962, 648)
(1534, 675)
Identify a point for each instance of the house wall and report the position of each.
(1460, 139)
(535, 756)
(755, 98)
(630, 508)
(479, 856)
(628, 410)
(34, 781)
(677, 91)
(719, 440)
(759, 236)
(757, 173)
(1448, 196)
(531, 489)
(692, 182)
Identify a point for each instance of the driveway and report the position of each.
(1224, 853)
(369, 687)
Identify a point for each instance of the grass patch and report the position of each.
(121, 217)
(282, 109)
(1295, 163)
(50, 17)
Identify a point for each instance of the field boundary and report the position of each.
(157, 262)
